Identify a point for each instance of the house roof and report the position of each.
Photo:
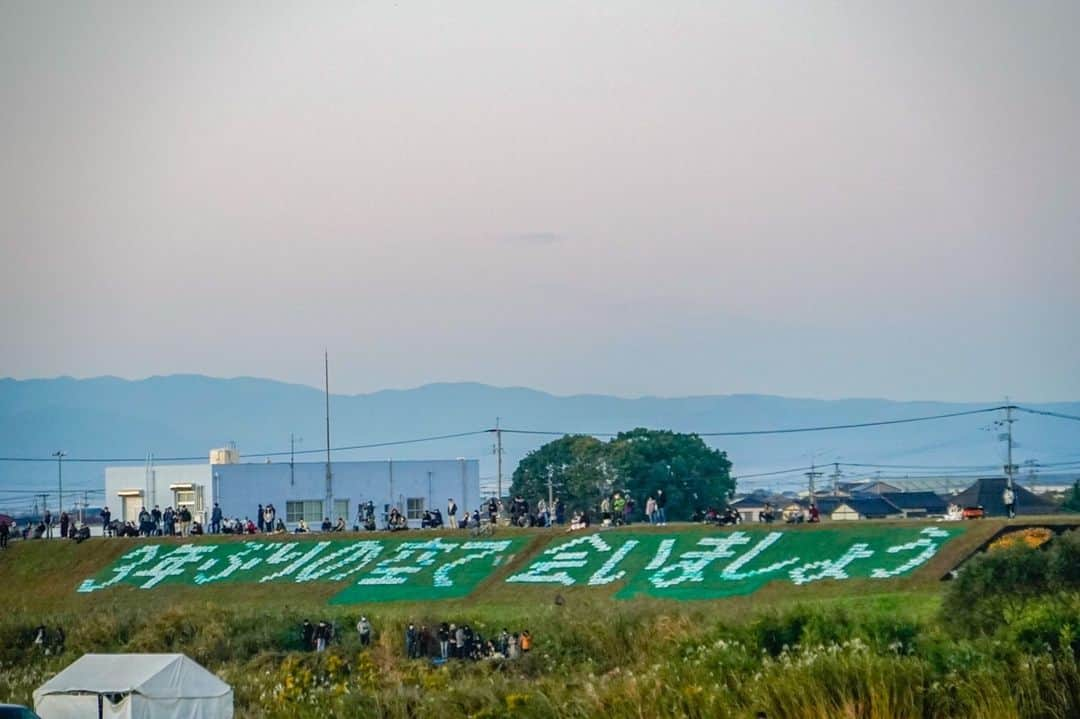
(875, 487)
(986, 493)
(873, 506)
(929, 501)
(754, 501)
(827, 505)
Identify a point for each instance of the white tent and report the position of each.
(134, 686)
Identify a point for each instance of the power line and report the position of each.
(556, 434)
(503, 430)
(795, 470)
(858, 425)
(282, 453)
(785, 430)
(918, 466)
(1047, 413)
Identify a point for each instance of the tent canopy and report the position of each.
(156, 676)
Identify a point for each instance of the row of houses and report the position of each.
(878, 500)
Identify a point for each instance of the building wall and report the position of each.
(155, 488)
(750, 513)
(844, 513)
(240, 488)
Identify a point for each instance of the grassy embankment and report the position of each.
(861, 648)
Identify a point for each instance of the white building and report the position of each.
(297, 491)
(129, 489)
(300, 491)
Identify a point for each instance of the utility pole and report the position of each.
(836, 478)
(85, 504)
(329, 474)
(292, 457)
(1033, 469)
(44, 505)
(498, 460)
(60, 454)
(1010, 468)
(810, 477)
(551, 492)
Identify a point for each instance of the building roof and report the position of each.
(873, 506)
(986, 493)
(874, 487)
(754, 501)
(929, 501)
(827, 505)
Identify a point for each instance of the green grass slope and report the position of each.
(861, 647)
(49, 574)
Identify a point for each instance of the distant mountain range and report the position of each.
(187, 415)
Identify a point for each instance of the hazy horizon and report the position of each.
(623, 198)
(405, 388)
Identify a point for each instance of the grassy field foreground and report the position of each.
(866, 648)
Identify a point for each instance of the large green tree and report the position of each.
(583, 469)
(692, 475)
(577, 466)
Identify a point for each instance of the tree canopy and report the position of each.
(583, 470)
(1072, 498)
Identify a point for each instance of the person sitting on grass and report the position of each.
(339, 526)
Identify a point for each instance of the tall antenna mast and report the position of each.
(329, 475)
(498, 459)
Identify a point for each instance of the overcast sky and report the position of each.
(814, 199)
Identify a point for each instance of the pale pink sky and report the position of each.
(815, 199)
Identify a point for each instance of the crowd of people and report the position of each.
(460, 641)
(45, 528)
(793, 514)
(617, 509)
(438, 643)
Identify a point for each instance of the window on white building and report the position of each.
(341, 509)
(414, 508)
(309, 510)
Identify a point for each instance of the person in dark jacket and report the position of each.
(444, 640)
(323, 633)
(307, 635)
